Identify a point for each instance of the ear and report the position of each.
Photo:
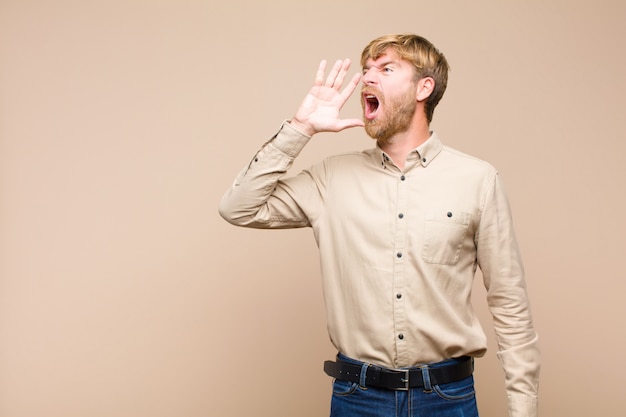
(425, 87)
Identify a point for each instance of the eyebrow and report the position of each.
(381, 65)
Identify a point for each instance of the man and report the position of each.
(401, 229)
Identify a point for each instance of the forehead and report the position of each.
(388, 56)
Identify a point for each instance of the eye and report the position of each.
(387, 69)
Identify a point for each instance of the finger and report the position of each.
(332, 75)
(319, 76)
(345, 66)
(352, 85)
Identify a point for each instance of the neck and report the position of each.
(399, 146)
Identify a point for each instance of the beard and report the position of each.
(396, 117)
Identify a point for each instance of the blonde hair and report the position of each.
(425, 58)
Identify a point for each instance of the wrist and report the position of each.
(303, 128)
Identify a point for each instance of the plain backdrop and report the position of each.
(122, 122)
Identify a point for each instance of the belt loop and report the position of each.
(363, 376)
(426, 377)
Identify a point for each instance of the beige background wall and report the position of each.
(122, 292)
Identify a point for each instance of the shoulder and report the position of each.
(464, 161)
(348, 159)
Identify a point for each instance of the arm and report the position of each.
(259, 198)
(501, 264)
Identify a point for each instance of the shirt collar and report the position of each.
(423, 154)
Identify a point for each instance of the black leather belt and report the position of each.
(400, 379)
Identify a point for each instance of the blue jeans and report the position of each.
(455, 399)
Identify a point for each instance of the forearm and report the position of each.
(518, 343)
(251, 200)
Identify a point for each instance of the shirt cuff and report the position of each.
(523, 406)
(290, 140)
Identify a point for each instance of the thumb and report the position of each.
(349, 123)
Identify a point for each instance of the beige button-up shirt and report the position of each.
(399, 250)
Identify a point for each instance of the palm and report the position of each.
(321, 106)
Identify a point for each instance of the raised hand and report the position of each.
(319, 111)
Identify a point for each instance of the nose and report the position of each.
(368, 77)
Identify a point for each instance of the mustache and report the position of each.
(370, 90)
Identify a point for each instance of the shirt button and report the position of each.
(398, 296)
(449, 214)
(402, 178)
(399, 254)
(401, 216)
(401, 336)
(424, 160)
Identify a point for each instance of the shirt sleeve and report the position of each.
(500, 262)
(258, 198)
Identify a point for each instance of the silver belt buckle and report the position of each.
(404, 380)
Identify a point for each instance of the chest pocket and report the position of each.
(444, 232)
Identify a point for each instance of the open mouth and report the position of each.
(370, 105)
